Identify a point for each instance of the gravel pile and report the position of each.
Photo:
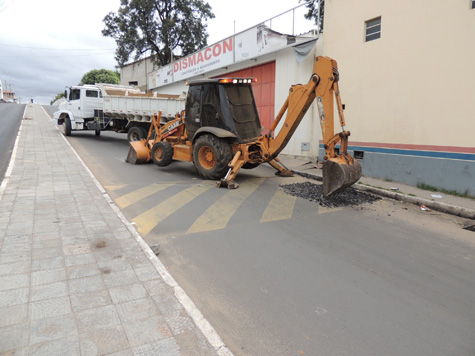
(314, 192)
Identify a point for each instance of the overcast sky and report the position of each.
(47, 45)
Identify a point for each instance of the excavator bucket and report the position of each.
(139, 152)
(339, 173)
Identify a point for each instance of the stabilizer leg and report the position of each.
(282, 170)
(235, 165)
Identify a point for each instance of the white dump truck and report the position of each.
(114, 107)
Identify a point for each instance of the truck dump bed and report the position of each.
(132, 105)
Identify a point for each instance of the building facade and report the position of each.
(135, 73)
(408, 81)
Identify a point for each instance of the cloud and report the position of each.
(52, 44)
(47, 45)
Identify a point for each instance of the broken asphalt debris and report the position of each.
(314, 192)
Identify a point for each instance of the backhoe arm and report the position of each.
(300, 98)
(339, 171)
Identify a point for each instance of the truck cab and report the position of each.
(78, 108)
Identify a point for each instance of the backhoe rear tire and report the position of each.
(162, 154)
(211, 156)
(136, 133)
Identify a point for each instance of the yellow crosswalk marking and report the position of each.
(114, 187)
(218, 215)
(324, 210)
(280, 207)
(137, 195)
(152, 217)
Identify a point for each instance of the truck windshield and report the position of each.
(241, 103)
(75, 94)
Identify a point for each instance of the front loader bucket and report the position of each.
(139, 152)
(339, 174)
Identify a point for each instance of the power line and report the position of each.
(71, 55)
(59, 49)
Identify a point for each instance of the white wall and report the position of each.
(136, 71)
(288, 73)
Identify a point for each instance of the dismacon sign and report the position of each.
(208, 59)
(252, 43)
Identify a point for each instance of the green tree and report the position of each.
(315, 12)
(159, 27)
(101, 76)
(58, 96)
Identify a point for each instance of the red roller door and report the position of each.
(264, 90)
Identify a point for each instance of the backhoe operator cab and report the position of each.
(223, 107)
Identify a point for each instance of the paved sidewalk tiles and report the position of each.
(73, 278)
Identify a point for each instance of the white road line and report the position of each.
(8, 173)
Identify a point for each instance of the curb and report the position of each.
(308, 175)
(442, 207)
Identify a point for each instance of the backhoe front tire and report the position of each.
(211, 156)
(162, 154)
(136, 133)
(67, 126)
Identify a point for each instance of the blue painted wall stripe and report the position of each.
(416, 153)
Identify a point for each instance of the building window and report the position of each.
(373, 29)
(134, 83)
(473, 4)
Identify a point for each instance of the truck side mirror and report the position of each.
(66, 95)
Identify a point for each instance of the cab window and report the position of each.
(92, 93)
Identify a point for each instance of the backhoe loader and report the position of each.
(220, 132)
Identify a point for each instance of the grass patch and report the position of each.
(431, 188)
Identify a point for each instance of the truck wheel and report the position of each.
(162, 154)
(211, 156)
(136, 133)
(67, 126)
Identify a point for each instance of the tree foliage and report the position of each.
(58, 96)
(162, 27)
(101, 76)
(315, 12)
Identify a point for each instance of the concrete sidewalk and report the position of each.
(449, 204)
(75, 277)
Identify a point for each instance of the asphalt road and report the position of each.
(10, 119)
(277, 275)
